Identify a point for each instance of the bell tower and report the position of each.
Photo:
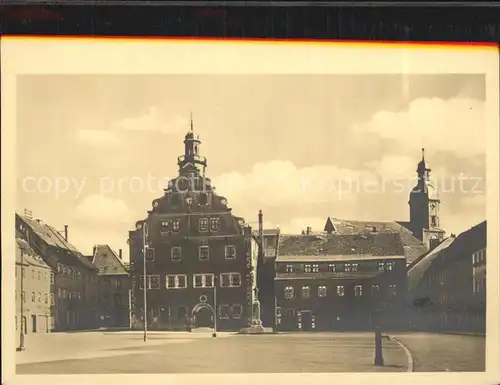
(424, 207)
(191, 163)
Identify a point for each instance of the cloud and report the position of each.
(456, 125)
(97, 209)
(153, 120)
(97, 137)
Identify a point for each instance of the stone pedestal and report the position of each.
(256, 324)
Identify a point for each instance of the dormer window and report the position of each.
(203, 200)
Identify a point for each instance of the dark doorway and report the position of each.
(203, 318)
(306, 320)
(33, 323)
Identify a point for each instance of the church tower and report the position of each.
(191, 163)
(424, 207)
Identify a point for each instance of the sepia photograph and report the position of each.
(170, 223)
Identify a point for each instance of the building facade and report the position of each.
(34, 298)
(114, 287)
(340, 282)
(197, 256)
(448, 285)
(74, 287)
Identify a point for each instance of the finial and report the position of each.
(423, 153)
(191, 120)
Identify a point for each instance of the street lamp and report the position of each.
(379, 359)
(21, 339)
(144, 252)
(214, 334)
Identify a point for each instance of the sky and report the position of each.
(93, 152)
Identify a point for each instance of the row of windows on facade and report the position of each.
(322, 291)
(479, 256)
(203, 253)
(180, 281)
(37, 297)
(204, 225)
(346, 267)
(115, 282)
(226, 311)
(479, 286)
(37, 274)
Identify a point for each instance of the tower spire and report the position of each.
(191, 120)
(423, 153)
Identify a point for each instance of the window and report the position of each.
(59, 268)
(52, 298)
(306, 292)
(289, 268)
(176, 253)
(33, 274)
(230, 252)
(203, 225)
(236, 311)
(176, 281)
(340, 290)
(203, 280)
(358, 290)
(70, 295)
(203, 253)
(433, 221)
(375, 289)
(392, 290)
(381, 266)
(152, 282)
(39, 297)
(288, 292)
(307, 268)
(321, 291)
(23, 296)
(203, 199)
(59, 292)
(331, 268)
(46, 298)
(389, 266)
(78, 275)
(150, 254)
(354, 267)
(347, 267)
(164, 227)
(52, 278)
(230, 280)
(315, 268)
(33, 296)
(176, 225)
(224, 311)
(214, 224)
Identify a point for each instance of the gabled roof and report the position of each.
(25, 254)
(413, 247)
(343, 246)
(53, 238)
(107, 261)
(419, 268)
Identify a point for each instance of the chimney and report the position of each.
(308, 230)
(261, 234)
(66, 233)
(120, 253)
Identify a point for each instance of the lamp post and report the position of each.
(144, 235)
(21, 335)
(214, 334)
(379, 359)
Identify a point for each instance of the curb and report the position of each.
(409, 357)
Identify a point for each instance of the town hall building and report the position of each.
(199, 256)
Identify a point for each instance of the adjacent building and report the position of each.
(34, 297)
(421, 233)
(447, 286)
(114, 287)
(340, 282)
(196, 255)
(74, 278)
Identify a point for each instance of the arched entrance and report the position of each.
(203, 315)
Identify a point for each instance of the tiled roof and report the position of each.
(418, 270)
(341, 245)
(108, 262)
(28, 254)
(53, 238)
(413, 246)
